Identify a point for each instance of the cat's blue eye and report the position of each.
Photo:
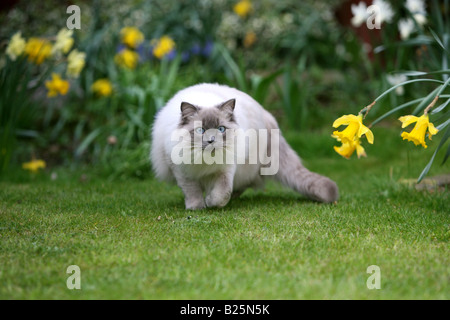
(200, 130)
(221, 129)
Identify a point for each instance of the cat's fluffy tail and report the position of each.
(293, 174)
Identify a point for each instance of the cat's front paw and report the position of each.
(195, 205)
(217, 200)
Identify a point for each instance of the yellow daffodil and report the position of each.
(249, 39)
(127, 58)
(16, 46)
(38, 49)
(163, 46)
(131, 36)
(34, 165)
(64, 42)
(355, 129)
(102, 87)
(347, 149)
(417, 134)
(75, 63)
(57, 86)
(242, 8)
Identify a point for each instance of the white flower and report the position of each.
(359, 14)
(75, 63)
(384, 11)
(417, 10)
(396, 79)
(415, 6)
(406, 27)
(420, 18)
(16, 46)
(64, 41)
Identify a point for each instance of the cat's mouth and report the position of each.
(209, 147)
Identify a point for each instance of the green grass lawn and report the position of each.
(132, 239)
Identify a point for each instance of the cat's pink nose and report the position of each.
(212, 139)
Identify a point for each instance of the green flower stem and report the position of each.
(366, 109)
(431, 105)
(407, 82)
(402, 106)
(438, 95)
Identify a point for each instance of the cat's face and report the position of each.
(208, 127)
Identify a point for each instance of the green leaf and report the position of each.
(425, 102)
(413, 73)
(443, 125)
(400, 107)
(404, 83)
(87, 141)
(428, 166)
(435, 36)
(260, 85)
(419, 40)
(236, 71)
(447, 154)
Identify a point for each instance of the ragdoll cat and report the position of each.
(215, 141)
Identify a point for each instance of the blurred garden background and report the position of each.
(307, 62)
(77, 105)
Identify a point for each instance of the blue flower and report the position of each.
(185, 56)
(208, 48)
(120, 47)
(171, 55)
(196, 49)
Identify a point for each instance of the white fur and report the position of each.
(218, 181)
(248, 113)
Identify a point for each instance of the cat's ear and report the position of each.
(188, 110)
(228, 107)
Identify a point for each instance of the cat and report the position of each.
(206, 138)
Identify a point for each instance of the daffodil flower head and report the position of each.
(75, 63)
(131, 36)
(102, 87)
(163, 46)
(355, 129)
(249, 39)
(16, 46)
(37, 50)
(127, 58)
(348, 148)
(57, 86)
(34, 165)
(422, 127)
(63, 43)
(242, 8)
